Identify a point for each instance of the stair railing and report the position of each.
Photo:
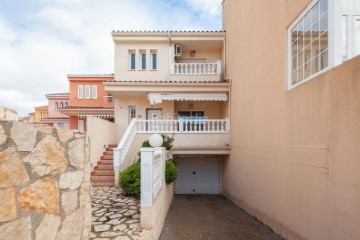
(123, 147)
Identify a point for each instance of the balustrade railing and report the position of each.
(166, 126)
(182, 126)
(196, 68)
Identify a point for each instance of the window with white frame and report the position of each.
(308, 43)
(153, 54)
(132, 60)
(143, 59)
(80, 91)
(87, 91)
(132, 113)
(60, 125)
(350, 28)
(94, 92)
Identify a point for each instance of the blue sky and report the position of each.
(41, 41)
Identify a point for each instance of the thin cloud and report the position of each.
(40, 46)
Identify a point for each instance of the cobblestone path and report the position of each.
(114, 216)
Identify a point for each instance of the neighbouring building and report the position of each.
(32, 117)
(57, 101)
(40, 112)
(295, 115)
(88, 99)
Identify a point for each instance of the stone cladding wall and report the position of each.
(44, 183)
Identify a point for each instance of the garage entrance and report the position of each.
(198, 175)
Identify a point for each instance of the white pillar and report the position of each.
(146, 195)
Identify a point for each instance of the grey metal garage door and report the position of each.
(197, 175)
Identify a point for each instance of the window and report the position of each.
(153, 60)
(132, 112)
(66, 105)
(94, 92)
(56, 106)
(132, 59)
(61, 105)
(80, 91)
(60, 125)
(81, 125)
(87, 91)
(308, 53)
(143, 60)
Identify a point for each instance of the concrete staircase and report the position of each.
(103, 174)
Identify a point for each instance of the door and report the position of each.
(81, 125)
(153, 114)
(197, 176)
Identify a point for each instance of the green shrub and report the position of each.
(170, 171)
(129, 180)
(167, 142)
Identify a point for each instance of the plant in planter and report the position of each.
(170, 171)
(129, 180)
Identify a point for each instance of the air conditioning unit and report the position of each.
(178, 50)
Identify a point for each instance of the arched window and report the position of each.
(66, 105)
(56, 106)
(61, 105)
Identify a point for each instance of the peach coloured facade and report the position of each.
(294, 160)
(40, 112)
(81, 106)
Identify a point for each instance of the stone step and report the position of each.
(104, 167)
(107, 157)
(108, 153)
(103, 184)
(106, 162)
(98, 172)
(102, 178)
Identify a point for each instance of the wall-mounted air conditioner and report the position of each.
(178, 50)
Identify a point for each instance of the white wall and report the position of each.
(101, 133)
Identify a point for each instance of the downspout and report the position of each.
(169, 39)
(230, 83)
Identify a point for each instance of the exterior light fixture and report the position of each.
(156, 140)
(192, 53)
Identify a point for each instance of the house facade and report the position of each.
(40, 112)
(295, 95)
(57, 101)
(87, 98)
(173, 83)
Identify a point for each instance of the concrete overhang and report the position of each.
(138, 89)
(201, 151)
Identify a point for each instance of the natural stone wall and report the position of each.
(44, 183)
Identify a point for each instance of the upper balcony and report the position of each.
(198, 72)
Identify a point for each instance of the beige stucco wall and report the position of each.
(293, 153)
(141, 103)
(212, 109)
(101, 134)
(122, 66)
(154, 217)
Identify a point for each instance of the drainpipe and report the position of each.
(230, 90)
(169, 39)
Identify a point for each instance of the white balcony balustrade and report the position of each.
(198, 71)
(184, 126)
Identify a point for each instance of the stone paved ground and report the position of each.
(114, 216)
(211, 217)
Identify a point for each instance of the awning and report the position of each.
(155, 98)
(96, 115)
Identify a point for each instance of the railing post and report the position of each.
(218, 69)
(146, 194)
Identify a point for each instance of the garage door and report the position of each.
(197, 176)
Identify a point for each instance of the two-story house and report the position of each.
(40, 112)
(87, 98)
(57, 101)
(172, 82)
